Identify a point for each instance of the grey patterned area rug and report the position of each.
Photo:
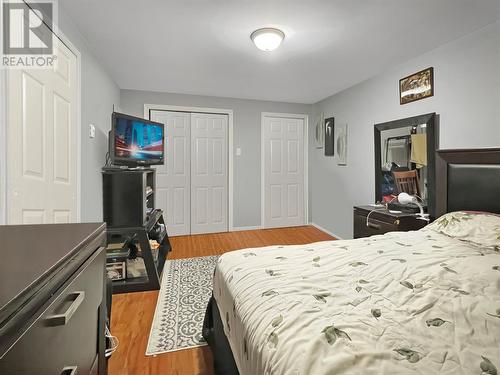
(186, 287)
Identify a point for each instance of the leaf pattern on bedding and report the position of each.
(356, 264)
(487, 367)
(321, 296)
(277, 321)
(358, 289)
(495, 268)
(400, 260)
(402, 244)
(436, 322)
(246, 255)
(281, 258)
(316, 259)
(362, 281)
(446, 268)
(407, 284)
(410, 355)
(272, 339)
(272, 273)
(332, 334)
(462, 292)
(376, 313)
(269, 293)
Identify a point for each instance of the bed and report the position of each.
(421, 302)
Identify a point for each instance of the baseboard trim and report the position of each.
(239, 229)
(325, 230)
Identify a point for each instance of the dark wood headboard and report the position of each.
(467, 180)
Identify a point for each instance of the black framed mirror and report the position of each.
(405, 157)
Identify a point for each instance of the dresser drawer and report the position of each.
(63, 340)
(374, 227)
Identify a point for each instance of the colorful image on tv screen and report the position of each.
(138, 140)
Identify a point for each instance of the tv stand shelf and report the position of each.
(133, 220)
(154, 268)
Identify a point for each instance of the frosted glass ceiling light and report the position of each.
(267, 39)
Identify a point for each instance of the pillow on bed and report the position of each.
(478, 228)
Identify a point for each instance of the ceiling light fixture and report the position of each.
(267, 39)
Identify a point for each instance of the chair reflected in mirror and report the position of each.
(407, 182)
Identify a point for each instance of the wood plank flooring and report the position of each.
(132, 313)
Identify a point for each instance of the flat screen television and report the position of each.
(134, 141)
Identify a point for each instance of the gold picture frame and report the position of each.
(416, 86)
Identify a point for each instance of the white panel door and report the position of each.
(283, 145)
(173, 179)
(209, 178)
(42, 142)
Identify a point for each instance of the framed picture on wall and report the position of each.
(319, 131)
(329, 136)
(416, 86)
(341, 144)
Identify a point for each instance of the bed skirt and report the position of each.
(213, 333)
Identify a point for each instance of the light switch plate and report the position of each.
(91, 131)
(238, 151)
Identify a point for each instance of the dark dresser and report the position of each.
(52, 299)
(382, 221)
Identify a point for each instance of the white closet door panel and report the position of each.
(42, 142)
(209, 174)
(173, 179)
(283, 172)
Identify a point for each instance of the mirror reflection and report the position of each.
(404, 162)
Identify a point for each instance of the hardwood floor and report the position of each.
(132, 313)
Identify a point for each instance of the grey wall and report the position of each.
(467, 97)
(99, 93)
(246, 118)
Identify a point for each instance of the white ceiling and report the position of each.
(204, 47)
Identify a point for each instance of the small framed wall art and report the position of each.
(319, 131)
(341, 143)
(329, 136)
(416, 86)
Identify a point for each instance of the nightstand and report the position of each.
(382, 221)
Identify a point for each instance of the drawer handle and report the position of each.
(69, 370)
(63, 319)
(374, 226)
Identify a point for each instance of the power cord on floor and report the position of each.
(113, 341)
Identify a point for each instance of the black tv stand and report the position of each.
(132, 221)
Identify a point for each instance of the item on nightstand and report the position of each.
(405, 198)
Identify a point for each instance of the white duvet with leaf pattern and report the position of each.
(403, 303)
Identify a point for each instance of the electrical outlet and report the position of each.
(238, 151)
(91, 131)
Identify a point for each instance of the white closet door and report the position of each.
(173, 178)
(42, 142)
(209, 176)
(283, 172)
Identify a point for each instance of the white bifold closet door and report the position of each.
(283, 144)
(173, 179)
(192, 185)
(209, 188)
